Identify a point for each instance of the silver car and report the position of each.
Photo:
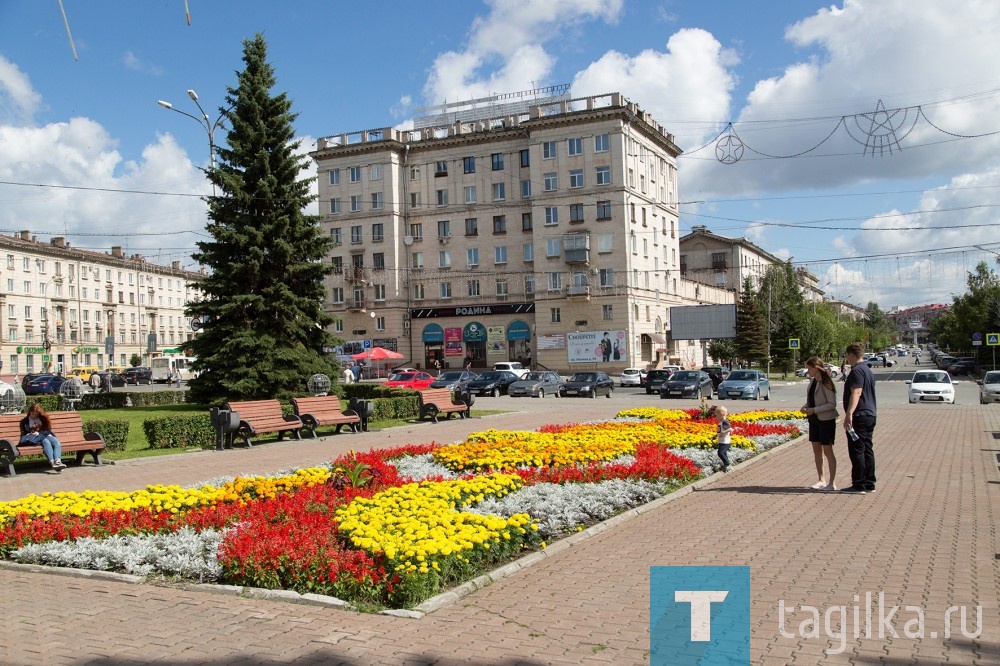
(536, 385)
(989, 388)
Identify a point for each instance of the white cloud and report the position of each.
(18, 100)
(509, 41)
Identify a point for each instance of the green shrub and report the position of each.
(114, 431)
(104, 400)
(50, 403)
(175, 432)
(153, 398)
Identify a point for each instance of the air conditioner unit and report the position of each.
(594, 271)
(443, 240)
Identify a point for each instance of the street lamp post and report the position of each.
(205, 122)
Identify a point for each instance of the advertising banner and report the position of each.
(596, 346)
(496, 344)
(552, 341)
(453, 341)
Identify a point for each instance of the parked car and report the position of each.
(880, 360)
(746, 385)
(46, 384)
(28, 377)
(687, 384)
(117, 381)
(632, 377)
(931, 386)
(717, 373)
(492, 382)
(138, 375)
(942, 361)
(964, 366)
(454, 380)
(989, 387)
(511, 366)
(536, 385)
(410, 380)
(588, 384)
(655, 379)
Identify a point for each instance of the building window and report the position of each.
(529, 252)
(378, 231)
(440, 169)
(554, 281)
(472, 256)
(445, 290)
(603, 210)
(380, 292)
(631, 208)
(550, 182)
(335, 236)
(499, 224)
(603, 175)
(525, 189)
(417, 231)
(414, 199)
(414, 173)
(334, 206)
(355, 172)
(496, 161)
(335, 176)
(549, 150)
(417, 260)
(576, 212)
(444, 258)
(630, 181)
(378, 261)
(470, 194)
(554, 315)
(377, 202)
(606, 277)
(501, 284)
(601, 143)
(576, 178)
(379, 323)
(473, 286)
(551, 216)
(376, 172)
(719, 261)
(337, 294)
(525, 159)
(355, 203)
(471, 226)
(442, 197)
(444, 228)
(356, 234)
(337, 264)
(604, 242)
(529, 283)
(501, 254)
(574, 146)
(499, 192)
(526, 222)
(607, 312)
(552, 247)
(418, 292)
(469, 165)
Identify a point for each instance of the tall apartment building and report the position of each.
(62, 303)
(508, 229)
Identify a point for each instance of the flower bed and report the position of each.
(387, 527)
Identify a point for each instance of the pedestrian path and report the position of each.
(927, 538)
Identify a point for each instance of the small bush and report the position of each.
(114, 431)
(104, 400)
(50, 403)
(154, 398)
(175, 432)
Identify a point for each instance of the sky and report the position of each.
(867, 131)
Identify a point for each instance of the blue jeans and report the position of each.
(724, 454)
(862, 453)
(52, 447)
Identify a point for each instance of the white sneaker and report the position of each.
(832, 488)
(819, 485)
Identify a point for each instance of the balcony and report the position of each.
(356, 304)
(577, 256)
(355, 274)
(578, 292)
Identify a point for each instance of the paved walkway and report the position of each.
(928, 538)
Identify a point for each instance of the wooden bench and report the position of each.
(66, 426)
(323, 411)
(261, 416)
(439, 401)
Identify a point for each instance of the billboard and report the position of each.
(703, 322)
(596, 346)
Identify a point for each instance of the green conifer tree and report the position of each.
(263, 324)
(751, 336)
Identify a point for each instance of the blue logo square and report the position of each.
(699, 616)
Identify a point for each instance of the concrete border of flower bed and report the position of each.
(428, 606)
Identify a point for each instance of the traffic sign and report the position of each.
(977, 336)
(993, 339)
(793, 343)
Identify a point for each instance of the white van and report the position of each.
(511, 366)
(165, 368)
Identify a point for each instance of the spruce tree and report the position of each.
(751, 336)
(263, 324)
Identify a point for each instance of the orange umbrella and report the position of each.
(377, 354)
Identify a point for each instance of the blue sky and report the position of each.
(900, 227)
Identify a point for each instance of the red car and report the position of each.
(410, 380)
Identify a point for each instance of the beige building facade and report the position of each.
(543, 232)
(61, 304)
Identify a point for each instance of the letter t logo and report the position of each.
(701, 610)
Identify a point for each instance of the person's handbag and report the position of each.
(33, 438)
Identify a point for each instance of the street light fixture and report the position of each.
(205, 122)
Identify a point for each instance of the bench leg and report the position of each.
(80, 455)
(339, 426)
(7, 457)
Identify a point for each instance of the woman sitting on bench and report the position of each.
(36, 430)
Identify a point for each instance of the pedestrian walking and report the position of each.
(860, 414)
(723, 433)
(821, 411)
(348, 375)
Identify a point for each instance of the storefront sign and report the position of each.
(496, 345)
(474, 311)
(86, 350)
(385, 343)
(518, 330)
(433, 334)
(31, 350)
(597, 346)
(453, 341)
(474, 332)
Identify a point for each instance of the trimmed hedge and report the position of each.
(114, 431)
(104, 401)
(177, 432)
(152, 398)
(50, 403)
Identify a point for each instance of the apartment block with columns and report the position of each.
(510, 228)
(61, 304)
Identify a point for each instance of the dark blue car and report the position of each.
(43, 384)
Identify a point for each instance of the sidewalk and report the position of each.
(928, 538)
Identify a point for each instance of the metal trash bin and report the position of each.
(226, 422)
(364, 409)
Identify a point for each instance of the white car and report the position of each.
(632, 376)
(511, 366)
(989, 388)
(931, 386)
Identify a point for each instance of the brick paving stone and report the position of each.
(928, 537)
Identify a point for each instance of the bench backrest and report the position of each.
(251, 409)
(324, 404)
(440, 396)
(67, 426)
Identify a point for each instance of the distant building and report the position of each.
(63, 303)
(916, 320)
(509, 227)
(721, 261)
